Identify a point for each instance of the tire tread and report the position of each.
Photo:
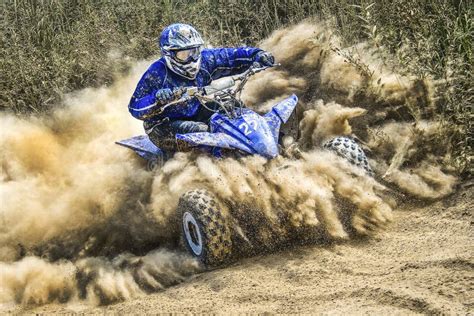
(217, 245)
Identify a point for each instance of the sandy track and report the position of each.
(422, 264)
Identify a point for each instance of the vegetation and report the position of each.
(50, 47)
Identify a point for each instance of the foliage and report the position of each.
(51, 47)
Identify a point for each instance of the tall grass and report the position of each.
(50, 47)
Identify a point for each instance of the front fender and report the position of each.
(280, 113)
(284, 108)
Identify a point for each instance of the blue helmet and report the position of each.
(181, 46)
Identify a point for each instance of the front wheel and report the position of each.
(154, 164)
(205, 231)
(348, 149)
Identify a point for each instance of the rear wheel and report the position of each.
(348, 148)
(205, 230)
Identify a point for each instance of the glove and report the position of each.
(265, 58)
(167, 95)
(164, 96)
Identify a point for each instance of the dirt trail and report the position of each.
(422, 264)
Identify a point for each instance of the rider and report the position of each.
(184, 63)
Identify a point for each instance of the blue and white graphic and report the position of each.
(233, 127)
(248, 132)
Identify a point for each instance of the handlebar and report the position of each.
(254, 69)
(193, 92)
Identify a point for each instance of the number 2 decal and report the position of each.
(246, 128)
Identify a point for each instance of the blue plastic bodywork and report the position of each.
(143, 146)
(249, 132)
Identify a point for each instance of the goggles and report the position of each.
(187, 55)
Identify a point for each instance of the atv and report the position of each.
(235, 130)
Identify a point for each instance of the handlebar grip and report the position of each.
(178, 92)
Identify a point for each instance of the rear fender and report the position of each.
(143, 146)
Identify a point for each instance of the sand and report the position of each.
(423, 263)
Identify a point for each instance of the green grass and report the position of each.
(51, 47)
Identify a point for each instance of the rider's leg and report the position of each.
(163, 134)
(184, 127)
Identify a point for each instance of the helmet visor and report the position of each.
(187, 55)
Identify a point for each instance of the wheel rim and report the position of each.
(152, 164)
(192, 233)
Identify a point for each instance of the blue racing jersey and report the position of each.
(216, 63)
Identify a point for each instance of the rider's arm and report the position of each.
(229, 61)
(143, 101)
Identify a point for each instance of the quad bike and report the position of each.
(234, 129)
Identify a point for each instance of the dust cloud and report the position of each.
(34, 281)
(81, 219)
